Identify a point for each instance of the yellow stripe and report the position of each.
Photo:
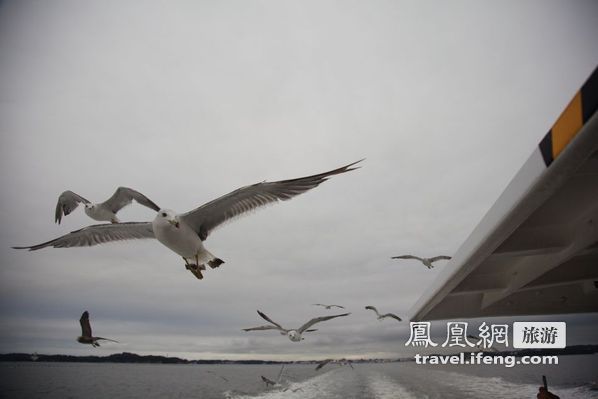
(567, 125)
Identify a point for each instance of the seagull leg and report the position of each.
(195, 269)
(201, 267)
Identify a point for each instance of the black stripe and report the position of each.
(546, 148)
(589, 96)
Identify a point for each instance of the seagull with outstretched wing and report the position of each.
(426, 261)
(293, 334)
(105, 211)
(329, 306)
(86, 335)
(383, 316)
(185, 233)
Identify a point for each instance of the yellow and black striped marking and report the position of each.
(578, 112)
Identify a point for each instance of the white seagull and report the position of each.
(293, 334)
(328, 307)
(426, 261)
(383, 316)
(184, 233)
(105, 211)
(86, 336)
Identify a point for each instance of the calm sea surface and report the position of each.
(572, 378)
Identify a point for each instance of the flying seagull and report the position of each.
(342, 362)
(184, 233)
(293, 334)
(268, 381)
(426, 261)
(105, 211)
(329, 306)
(86, 337)
(278, 378)
(383, 316)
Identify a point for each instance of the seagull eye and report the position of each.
(164, 214)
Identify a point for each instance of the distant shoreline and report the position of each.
(126, 357)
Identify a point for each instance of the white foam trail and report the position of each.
(383, 387)
(318, 387)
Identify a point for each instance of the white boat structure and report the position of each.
(536, 250)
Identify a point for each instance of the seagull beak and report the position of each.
(175, 223)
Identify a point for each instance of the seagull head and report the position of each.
(294, 336)
(168, 216)
(88, 206)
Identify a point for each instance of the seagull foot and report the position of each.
(196, 270)
(214, 263)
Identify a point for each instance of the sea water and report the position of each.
(574, 377)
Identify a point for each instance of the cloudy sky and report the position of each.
(186, 101)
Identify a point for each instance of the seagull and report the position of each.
(382, 316)
(185, 233)
(293, 334)
(268, 381)
(105, 211)
(341, 362)
(86, 337)
(329, 306)
(426, 261)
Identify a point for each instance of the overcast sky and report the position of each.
(186, 101)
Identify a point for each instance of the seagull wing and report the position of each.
(107, 339)
(67, 202)
(441, 257)
(407, 257)
(370, 307)
(313, 321)
(263, 316)
(394, 316)
(208, 216)
(85, 326)
(338, 306)
(267, 327)
(123, 196)
(268, 381)
(98, 234)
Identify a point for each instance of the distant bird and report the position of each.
(426, 261)
(383, 316)
(86, 336)
(278, 378)
(293, 334)
(104, 211)
(184, 233)
(329, 306)
(341, 362)
(347, 363)
(268, 381)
